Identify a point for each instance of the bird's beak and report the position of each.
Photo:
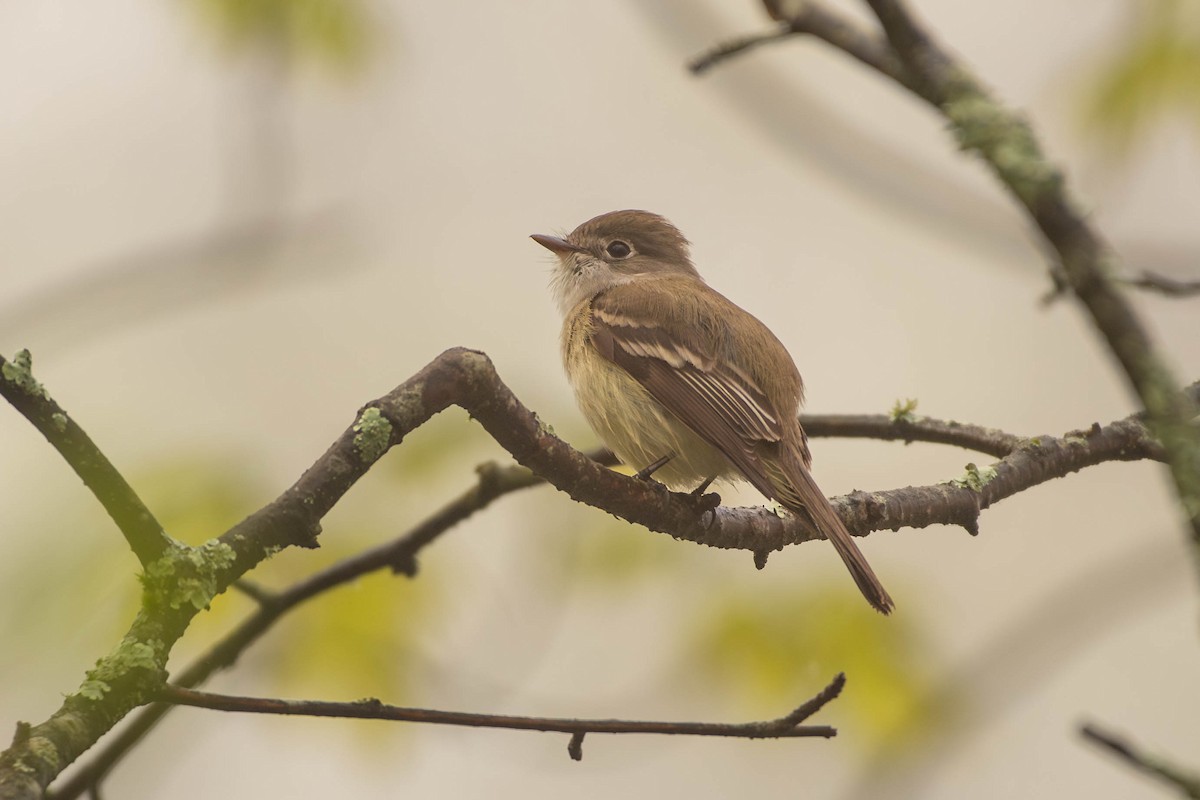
(557, 246)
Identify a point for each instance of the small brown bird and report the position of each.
(667, 370)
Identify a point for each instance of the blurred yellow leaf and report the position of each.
(778, 645)
(334, 31)
(1153, 73)
(356, 640)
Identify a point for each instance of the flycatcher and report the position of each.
(667, 370)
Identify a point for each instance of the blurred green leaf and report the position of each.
(1153, 73)
(332, 31)
(776, 647)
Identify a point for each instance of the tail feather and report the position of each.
(800, 493)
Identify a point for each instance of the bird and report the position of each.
(677, 379)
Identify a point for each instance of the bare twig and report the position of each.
(737, 46)
(785, 727)
(1186, 782)
(141, 530)
(814, 20)
(912, 429)
(1161, 284)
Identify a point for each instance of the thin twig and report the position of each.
(1171, 287)
(909, 429)
(785, 727)
(814, 20)
(141, 530)
(1187, 782)
(264, 597)
(737, 46)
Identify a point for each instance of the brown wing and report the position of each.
(723, 406)
(726, 407)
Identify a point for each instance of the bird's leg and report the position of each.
(707, 503)
(646, 472)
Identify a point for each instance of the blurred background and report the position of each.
(225, 225)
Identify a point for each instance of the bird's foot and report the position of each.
(646, 472)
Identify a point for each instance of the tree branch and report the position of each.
(1161, 284)
(141, 530)
(869, 49)
(495, 481)
(184, 580)
(399, 555)
(909, 428)
(1007, 144)
(787, 726)
(742, 44)
(1186, 782)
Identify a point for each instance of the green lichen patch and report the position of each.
(974, 478)
(43, 750)
(372, 435)
(129, 657)
(902, 411)
(93, 689)
(188, 575)
(19, 372)
(60, 421)
(1005, 140)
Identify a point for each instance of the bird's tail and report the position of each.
(798, 492)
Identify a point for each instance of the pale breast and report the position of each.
(627, 418)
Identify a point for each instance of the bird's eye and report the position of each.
(618, 249)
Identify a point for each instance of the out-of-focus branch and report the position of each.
(787, 726)
(813, 20)
(141, 530)
(1161, 284)
(1185, 782)
(161, 279)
